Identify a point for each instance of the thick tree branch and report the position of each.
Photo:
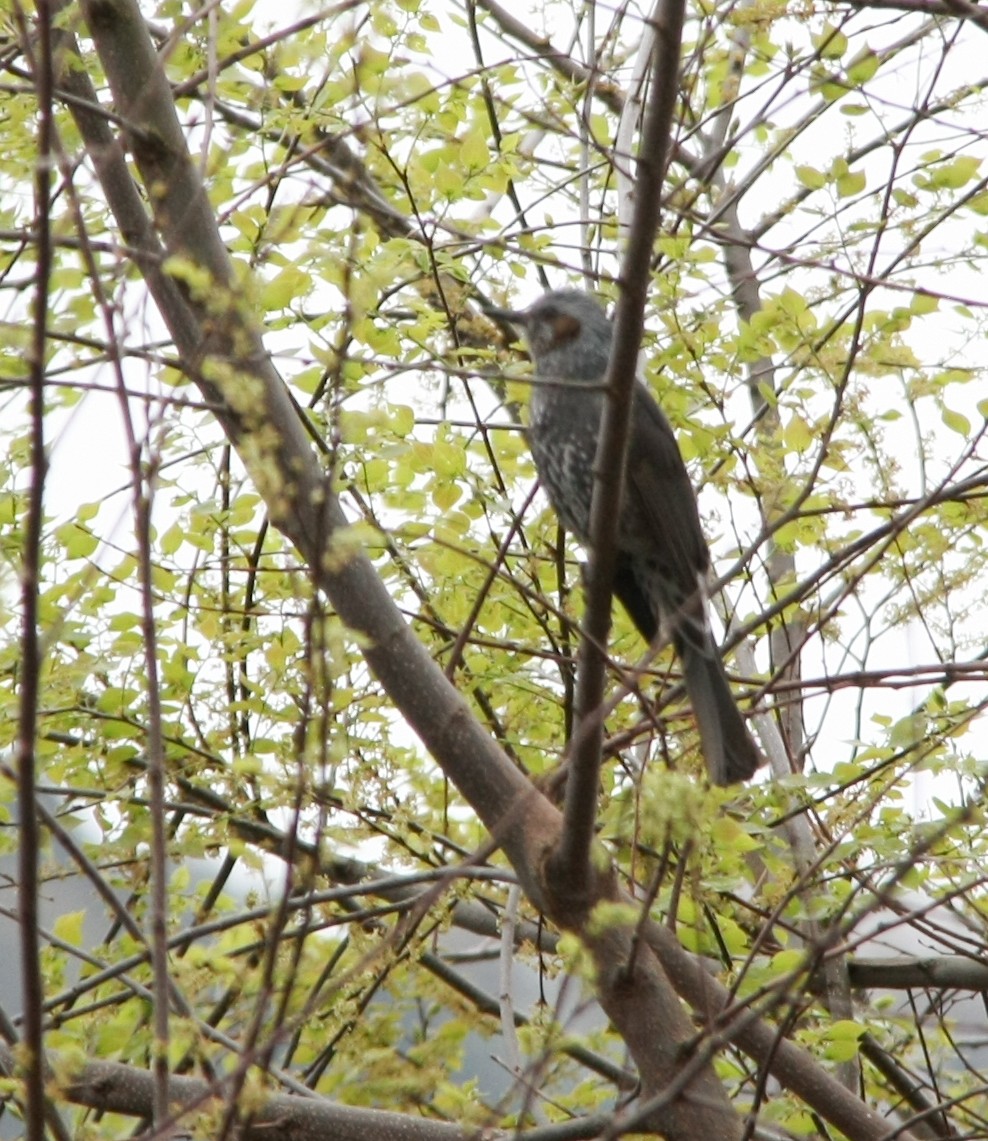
(32, 1060)
(564, 64)
(114, 1088)
(900, 972)
(961, 9)
(788, 1063)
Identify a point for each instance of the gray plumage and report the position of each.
(662, 557)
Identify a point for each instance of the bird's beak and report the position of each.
(514, 316)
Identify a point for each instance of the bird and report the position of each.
(663, 558)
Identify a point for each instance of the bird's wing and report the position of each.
(661, 497)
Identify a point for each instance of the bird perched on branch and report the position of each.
(662, 555)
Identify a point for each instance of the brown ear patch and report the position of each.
(564, 328)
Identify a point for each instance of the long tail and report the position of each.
(730, 753)
(728, 748)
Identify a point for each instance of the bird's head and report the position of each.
(568, 333)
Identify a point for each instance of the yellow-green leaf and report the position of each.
(810, 177)
(851, 183)
(956, 422)
(68, 927)
(473, 150)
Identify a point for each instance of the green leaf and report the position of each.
(956, 422)
(172, 539)
(289, 286)
(842, 1039)
(957, 173)
(797, 434)
(728, 833)
(863, 68)
(402, 419)
(785, 962)
(77, 542)
(923, 302)
(811, 177)
(69, 927)
(830, 43)
(846, 1030)
(851, 183)
(473, 150)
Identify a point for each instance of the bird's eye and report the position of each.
(564, 327)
